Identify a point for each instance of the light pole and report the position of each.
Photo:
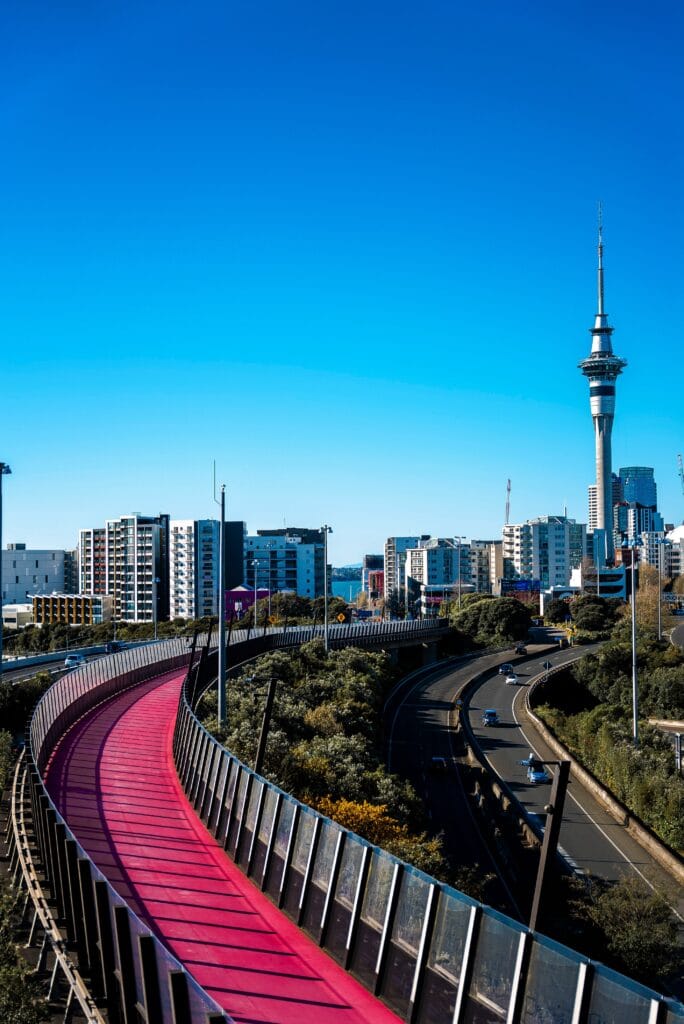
(4, 471)
(458, 541)
(325, 531)
(660, 541)
(255, 563)
(155, 583)
(222, 613)
(554, 811)
(635, 688)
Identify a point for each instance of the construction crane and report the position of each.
(508, 497)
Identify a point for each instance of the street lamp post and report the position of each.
(635, 687)
(255, 563)
(660, 541)
(155, 583)
(458, 541)
(4, 471)
(325, 530)
(554, 811)
(222, 613)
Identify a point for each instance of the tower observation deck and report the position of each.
(602, 367)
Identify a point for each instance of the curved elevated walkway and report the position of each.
(114, 781)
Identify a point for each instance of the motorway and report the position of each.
(419, 729)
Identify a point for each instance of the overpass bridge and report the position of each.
(192, 890)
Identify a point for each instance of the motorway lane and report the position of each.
(590, 838)
(419, 730)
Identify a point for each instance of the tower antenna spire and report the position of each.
(600, 258)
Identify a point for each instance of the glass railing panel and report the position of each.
(492, 979)
(615, 998)
(320, 877)
(280, 847)
(222, 773)
(300, 859)
(404, 941)
(445, 958)
(345, 894)
(264, 833)
(250, 820)
(550, 984)
(238, 808)
(372, 920)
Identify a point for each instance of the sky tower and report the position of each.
(602, 368)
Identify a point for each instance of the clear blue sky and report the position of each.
(346, 249)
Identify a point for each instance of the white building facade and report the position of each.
(193, 568)
(546, 549)
(28, 571)
(128, 559)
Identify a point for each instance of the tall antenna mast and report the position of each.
(508, 501)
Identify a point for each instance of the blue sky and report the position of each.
(345, 249)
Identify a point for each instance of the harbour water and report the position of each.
(346, 589)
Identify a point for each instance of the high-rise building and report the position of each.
(395, 561)
(129, 559)
(616, 498)
(286, 560)
(371, 566)
(602, 368)
(193, 568)
(639, 486)
(28, 571)
(545, 549)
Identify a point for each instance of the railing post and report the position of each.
(150, 978)
(129, 995)
(387, 927)
(92, 962)
(104, 928)
(180, 997)
(430, 914)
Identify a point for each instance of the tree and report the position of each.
(501, 619)
(638, 929)
(557, 610)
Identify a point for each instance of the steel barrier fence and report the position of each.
(125, 965)
(432, 954)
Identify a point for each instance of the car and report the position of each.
(536, 773)
(505, 668)
(113, 646)
(490, 716)
(511, 679)
(438, 765)
(74, 660)
(520, 649)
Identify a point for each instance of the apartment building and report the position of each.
(193, 568)
(28, 571)
(128, 558)
(287, 560)
(546, 550)
(395, 561)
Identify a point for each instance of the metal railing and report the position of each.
(124, 965)
(432, 954)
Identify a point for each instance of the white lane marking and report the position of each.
(426, 676)
(589, 816)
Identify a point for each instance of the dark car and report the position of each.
(505, 668)
(490, 717)
(520, 649)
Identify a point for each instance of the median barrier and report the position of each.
(622, 814)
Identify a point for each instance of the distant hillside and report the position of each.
(347, 572)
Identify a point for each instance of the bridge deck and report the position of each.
(114, 780)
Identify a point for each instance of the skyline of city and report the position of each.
(358, 270)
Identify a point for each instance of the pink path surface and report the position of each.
(114, 781)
